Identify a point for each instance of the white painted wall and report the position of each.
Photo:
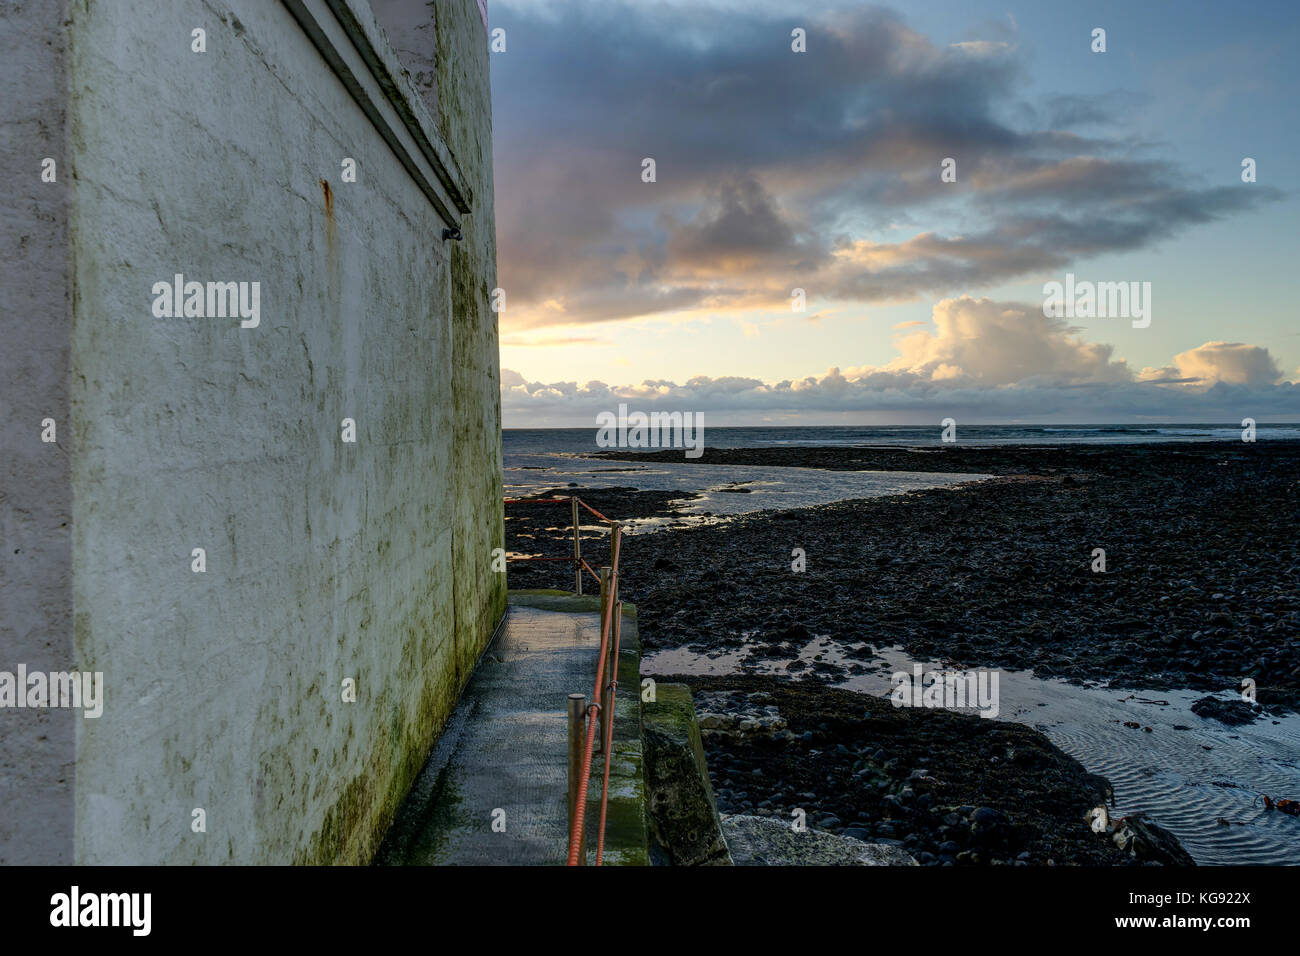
(324, 560)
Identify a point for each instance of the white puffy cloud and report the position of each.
(1235, 363)
(1001, 343)
(984, 360)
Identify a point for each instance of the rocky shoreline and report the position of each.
(1201, 587)
(1201, 590)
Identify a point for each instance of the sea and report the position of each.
(542, 459)
(582, 440)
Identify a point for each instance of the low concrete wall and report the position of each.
(326, 560)
(683, 812)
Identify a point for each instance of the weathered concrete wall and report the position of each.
(453, 79)
(324, 560)
(411, 27)
(465, 122)
(683, 811)
(37, 747)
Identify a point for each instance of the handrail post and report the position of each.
(611, 670)
(577, 724)
(611, 675)
(611, 660)
(577, 550)
(605, 606)
(615, 546)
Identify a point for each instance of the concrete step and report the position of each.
(503, 755)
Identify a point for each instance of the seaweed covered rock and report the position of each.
(1234, 713)
(1150, 843)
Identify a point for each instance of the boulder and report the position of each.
(1150, 843)
(1231, 712)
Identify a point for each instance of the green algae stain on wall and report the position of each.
(355, 823)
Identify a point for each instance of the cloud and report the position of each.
(1001, 343)
(1235, 363)
(985, 361)
(741, 229)
(566, 341)
(778, 170)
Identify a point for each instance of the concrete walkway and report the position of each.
(505, 749)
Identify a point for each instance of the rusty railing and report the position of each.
(585, 719)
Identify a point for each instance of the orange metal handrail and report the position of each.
(611, 614)
(577, 830)
(609, 735)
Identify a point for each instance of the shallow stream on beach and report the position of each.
(724, 490)
(1185, 780)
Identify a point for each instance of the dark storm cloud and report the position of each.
(776, 169)
(740, 229)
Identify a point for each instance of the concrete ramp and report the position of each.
(503, 756)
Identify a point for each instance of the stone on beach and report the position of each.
(761, 841)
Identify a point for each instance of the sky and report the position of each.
(822, 171)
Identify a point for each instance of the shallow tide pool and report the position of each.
(724, 490)
(1185, 780)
